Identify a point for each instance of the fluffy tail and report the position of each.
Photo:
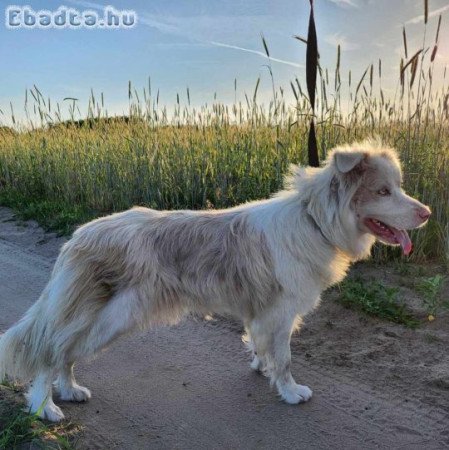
(58, 327)
(51, 330)
(16, 350)
(39, 340)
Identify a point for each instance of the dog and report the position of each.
(264, 263)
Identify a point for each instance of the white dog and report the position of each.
(264, 263)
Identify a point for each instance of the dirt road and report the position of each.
(190, 387)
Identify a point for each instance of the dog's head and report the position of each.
(369, 177)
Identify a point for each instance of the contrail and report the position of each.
(172, 29)
(418, 19)
(256, 52)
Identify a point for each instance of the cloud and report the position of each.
(255, 52)
(419, 19)
(338, 39)
(184, 27)
(345, 3)
(146, 19)
(166, 26)
(85, 4)
(163, 25)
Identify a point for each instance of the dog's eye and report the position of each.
(384, 192)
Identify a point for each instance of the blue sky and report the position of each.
(205, 45)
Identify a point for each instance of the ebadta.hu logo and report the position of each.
(20, 17)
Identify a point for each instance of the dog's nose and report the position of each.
(424, 213)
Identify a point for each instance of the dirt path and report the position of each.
(375, 385)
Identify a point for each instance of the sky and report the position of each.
(205, 45)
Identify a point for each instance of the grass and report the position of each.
(19, 430)
(430, 288)
(376, 299)
(52, 215)
(64, 175)
(64, 172)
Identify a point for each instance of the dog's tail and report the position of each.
(22, 347)
(58, 325)
(25, 347)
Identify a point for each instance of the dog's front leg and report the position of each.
(271, 333)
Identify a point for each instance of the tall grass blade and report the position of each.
(265, 46)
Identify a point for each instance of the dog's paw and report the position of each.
(74, 393)
(256, 364)
(294, 393)
(53, 413)
(50, 411)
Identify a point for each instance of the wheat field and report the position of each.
(63, 172)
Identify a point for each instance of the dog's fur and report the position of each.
(264, 263)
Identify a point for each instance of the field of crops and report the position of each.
(63, 172)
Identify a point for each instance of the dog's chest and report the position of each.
(304, 276)
(335, 270)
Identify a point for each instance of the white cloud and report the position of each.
(196, 29)
(164, 25)
(85, 4)
(419, 19)
(338, 39)
(184, 28)
(345, 3)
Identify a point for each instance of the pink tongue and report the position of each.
(404, 239)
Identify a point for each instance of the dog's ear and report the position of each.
(347, 160)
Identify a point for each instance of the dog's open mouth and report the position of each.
(390, 235)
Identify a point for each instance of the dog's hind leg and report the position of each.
(68, 388)
(119, 316)
(271, 334)
(40, 399)
(256, 362)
